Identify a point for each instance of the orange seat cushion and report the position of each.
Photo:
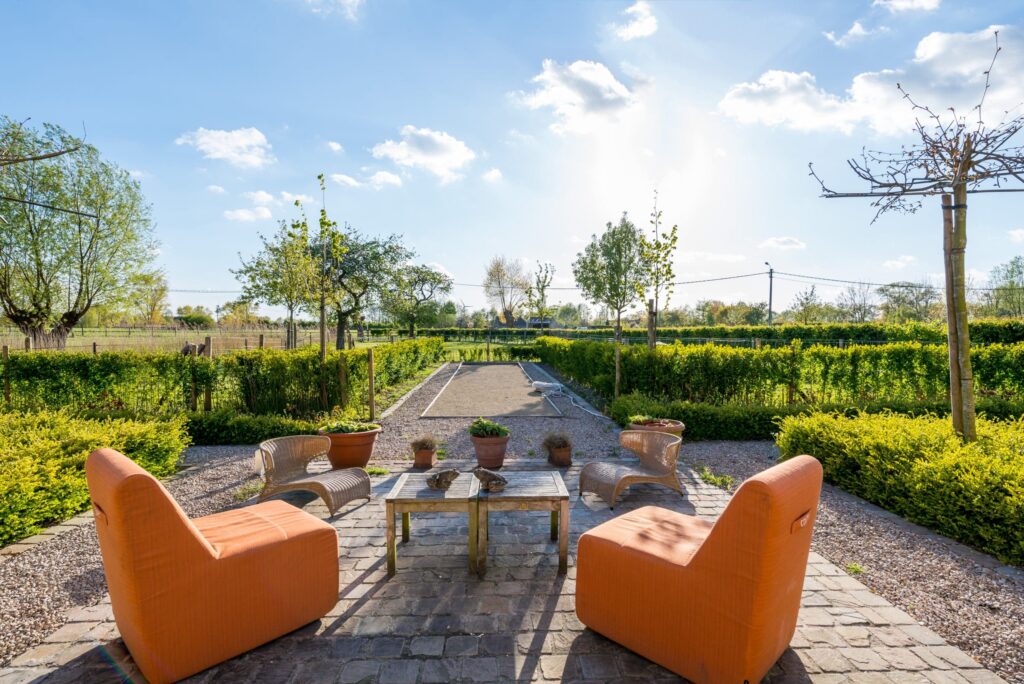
(244, 529)
(653, 533)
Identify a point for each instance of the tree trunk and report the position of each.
(339, 338)
(53, 338)
(958, 289)
(652, 324)
(953, 339)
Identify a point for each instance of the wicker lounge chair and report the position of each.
(658, 453)
(283, 461)
(711, 602)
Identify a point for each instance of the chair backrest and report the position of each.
(145, 538)
(758, 549)
(657, 450)
(285, 458)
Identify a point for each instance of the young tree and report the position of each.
(610, 271)
(282, 273)
(239, 313)
(658, 253)
(148, 296)
(505, 285)
(1007, 294)
(415, 290)
(806, 306)
(537, 293)
(74, 231)
(955, 157)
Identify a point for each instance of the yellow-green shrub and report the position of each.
(42, 462)
(919, 469)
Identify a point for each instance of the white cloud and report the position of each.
(582, 94)
(783, 243)
(515, 136)
(215, 189)
(347, 181)
(335, 146)
(440, 268)
(260, 198)
(248, 215)
(137, 174)
(246, 148)
(1016, 235)
(899, 263)
(492, 176)
(642, 22)
(436, 151)
(855, 33)
(382, 179)
(349, 8)
(290, 198)
(896, 6)
(718, 257)
(948, 69)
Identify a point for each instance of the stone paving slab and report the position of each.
(434, 622)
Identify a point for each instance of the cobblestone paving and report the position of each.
(434, 622)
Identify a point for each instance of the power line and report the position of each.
(923, 286)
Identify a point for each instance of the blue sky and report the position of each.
(476, 129)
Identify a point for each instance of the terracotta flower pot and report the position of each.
(672, 427)
(490, 451)
(424, 458)
(351, 449)
(560, 457)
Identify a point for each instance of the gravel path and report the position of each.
(39, 586)
(951, 589)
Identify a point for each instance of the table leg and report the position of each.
(563, 537)
(483, 516)
(474, 534)
(405, 526)
(554, 525)
(389, 509)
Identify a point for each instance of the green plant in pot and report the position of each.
(652, 424)
(423, 448)
(490, 440)
(559, 448)
(351, 442)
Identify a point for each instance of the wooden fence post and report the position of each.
(94, 350)
(192, 403)
(618, 370)
(261, 340)
(28, 344)
(369, 375)
(7, 375)
(488, 346)
(208, 390)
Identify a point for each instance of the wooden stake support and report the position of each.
(369, 375)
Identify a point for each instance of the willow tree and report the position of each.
(74, 231)
(957, 155)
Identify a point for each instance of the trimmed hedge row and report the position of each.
(919, 469)
(988, 331)
(256, 381)
(739, 422)
(225, 426)
(852, 375)
(42, 462)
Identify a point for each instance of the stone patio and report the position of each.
(434, 622)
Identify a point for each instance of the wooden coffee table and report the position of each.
(411, 494)
(527, 491)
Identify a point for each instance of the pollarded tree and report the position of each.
(74, 231)
(416, 289)
(505, 285)
(955, 157)
(610, 271)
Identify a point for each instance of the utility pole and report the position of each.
(771, 282)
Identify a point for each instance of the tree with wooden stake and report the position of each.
(658, 254)
(955, 158)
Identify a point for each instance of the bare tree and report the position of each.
(857, 304)
(505, 285)
(954, 158)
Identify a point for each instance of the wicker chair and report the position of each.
(283, 464)
(658, 453)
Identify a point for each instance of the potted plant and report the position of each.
(424, 447)
(351, 442)
(559, 449)
(490, 440)
(673, 427)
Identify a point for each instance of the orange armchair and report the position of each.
(710, 602)
(188, 594)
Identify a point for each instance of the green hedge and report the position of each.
(225, 426)
(745, 422)
(42, 462)
(851, 375)
(919, 469)
(255, 381)
(988, 331)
